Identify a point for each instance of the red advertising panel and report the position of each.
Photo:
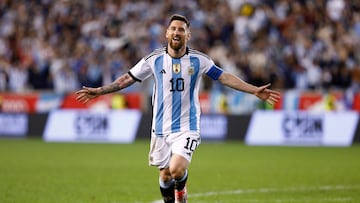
(70, 102)
(307, 100)
(322, 101)
(205, 103)
(133, 100)
(109, 101)
(24, 103)
(356, 102)
(279, 105)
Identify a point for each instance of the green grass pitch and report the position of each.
(33, 171)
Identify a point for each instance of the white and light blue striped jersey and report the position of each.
(176, 105)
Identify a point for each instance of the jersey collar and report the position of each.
(186, 51)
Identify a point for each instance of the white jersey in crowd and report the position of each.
(175, 99)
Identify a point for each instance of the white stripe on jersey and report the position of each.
(176, 104)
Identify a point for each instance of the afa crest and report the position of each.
(191, 70)
(176, 68)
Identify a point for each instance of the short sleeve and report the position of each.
(209, 68)
(141, 71)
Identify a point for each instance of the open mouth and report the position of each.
(177, 39)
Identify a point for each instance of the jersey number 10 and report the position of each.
(177, 84)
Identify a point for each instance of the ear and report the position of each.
(167, 33)
(188, 37)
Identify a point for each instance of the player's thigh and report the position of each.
(160, 152)
(185, 145)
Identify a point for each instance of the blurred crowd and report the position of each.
(61, 45)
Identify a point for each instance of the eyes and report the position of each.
(181, 30)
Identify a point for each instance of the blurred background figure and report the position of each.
(295, 45)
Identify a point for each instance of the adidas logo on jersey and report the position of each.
(162, 71)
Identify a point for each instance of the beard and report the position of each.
(176, 45)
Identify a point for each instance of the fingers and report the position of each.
(273, 96)
(83, 90)
(83, 98)
(270, 102)
(266, 86)
(83, 95)
(273, 100)
(265, 89)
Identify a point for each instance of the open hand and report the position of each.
(86, 94)
(268, 95)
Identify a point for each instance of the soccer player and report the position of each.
(177, 71)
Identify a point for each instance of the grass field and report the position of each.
(32, 171)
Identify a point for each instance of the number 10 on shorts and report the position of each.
(191, 144)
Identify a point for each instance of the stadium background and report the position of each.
(308, 50)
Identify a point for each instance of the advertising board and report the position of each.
(92, 126)
(302, 128)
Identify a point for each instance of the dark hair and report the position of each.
(181, 18)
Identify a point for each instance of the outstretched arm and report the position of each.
(261, 92)
(88, 93)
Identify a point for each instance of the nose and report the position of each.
(176, 31)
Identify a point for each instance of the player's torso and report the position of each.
(176, 93)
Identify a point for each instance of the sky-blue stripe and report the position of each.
(195, 63)
(176, 98)
(160, 108)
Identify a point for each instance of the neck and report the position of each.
(176, 53)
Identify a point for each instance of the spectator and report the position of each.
(296, 44)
